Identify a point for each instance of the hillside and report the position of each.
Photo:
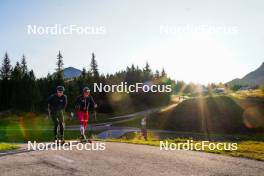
(253, 78)
(218, 114)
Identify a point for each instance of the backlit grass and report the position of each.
(246, 149)
(6, 146)
(30, 127)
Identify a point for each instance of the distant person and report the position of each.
(56, 106)
(84, 103)
(144, 128)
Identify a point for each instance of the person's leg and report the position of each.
(82, 129)
(84, 125)
(61, 124)
(56, 124)
(145, 134)
(80, 116)
(86, 118)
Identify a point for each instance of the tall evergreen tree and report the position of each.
(83, 72)
(59, 69)
(94, 68)
(59, 62)
(147, 74)
(157, 74)
(163, 73)
(6, 68)
(32, 75)
(16, 86)
(24, 68)
(6, 86)
(16, 72)
(133, 69)
(147, 67)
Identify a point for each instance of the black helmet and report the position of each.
(60, 88)
(86, 89)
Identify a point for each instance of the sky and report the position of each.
(196, 41)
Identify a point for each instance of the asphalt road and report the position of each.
(126, 160)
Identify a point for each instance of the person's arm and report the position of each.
(94, 107)
(66, 102)
(49, 101)
(77, 104)
(93, 102)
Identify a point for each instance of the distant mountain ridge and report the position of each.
(253, 78)
(71, 72)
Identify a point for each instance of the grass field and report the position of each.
(246, 149)
(30, 127)
(257, 94)
(6, 146)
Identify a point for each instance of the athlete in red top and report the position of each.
(83, 103)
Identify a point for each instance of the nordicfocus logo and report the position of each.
(59, 29)
(138, 87)
(72, 145)
(203, 145)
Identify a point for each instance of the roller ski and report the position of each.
(83, 139)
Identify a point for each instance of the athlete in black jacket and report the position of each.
(56, 105)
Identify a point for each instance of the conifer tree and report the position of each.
(6, 68)
(59, 74)
(94, 67)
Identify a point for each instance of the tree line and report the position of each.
(21, 90)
